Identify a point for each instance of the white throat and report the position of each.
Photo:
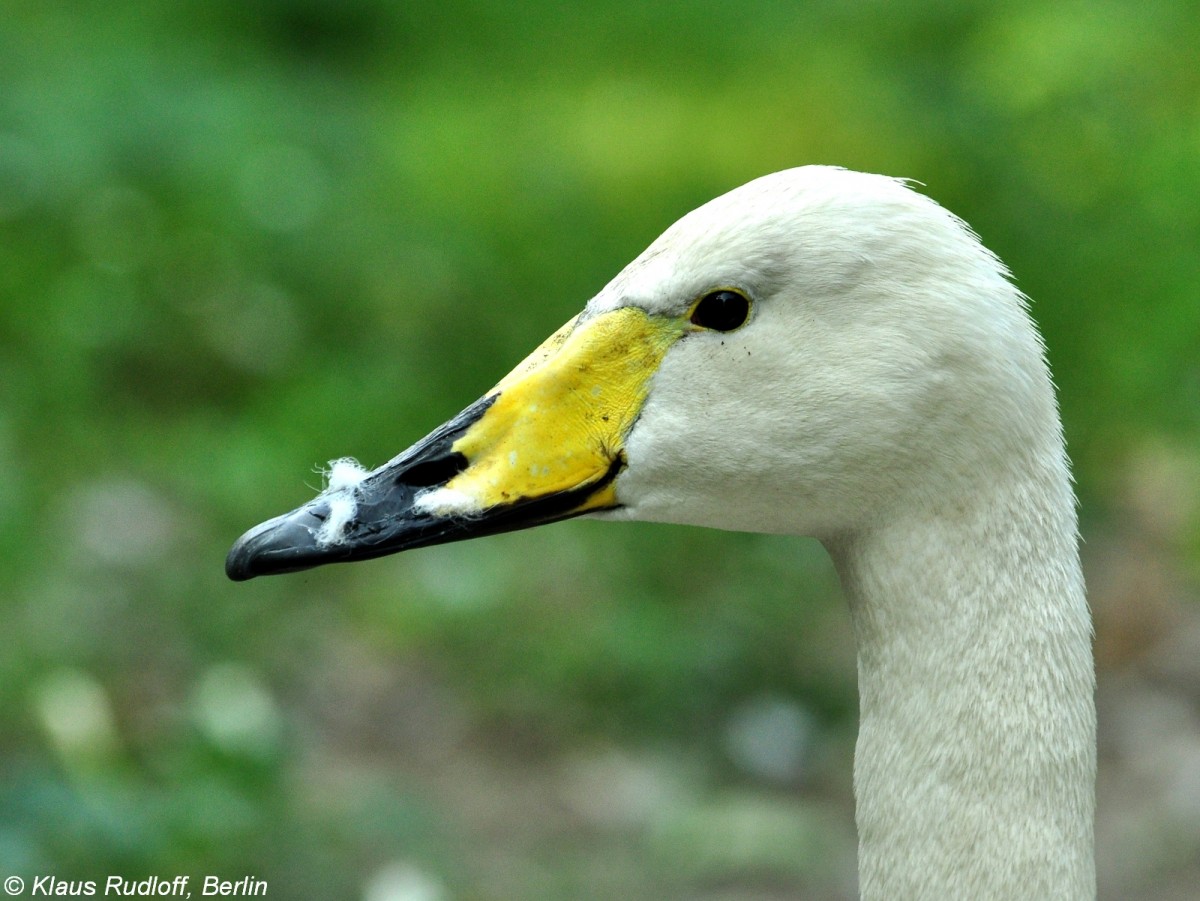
(975, 765)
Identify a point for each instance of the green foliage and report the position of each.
(240, 239)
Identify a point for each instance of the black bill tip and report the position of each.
(284, 544)
(381, 513)
(384, 520)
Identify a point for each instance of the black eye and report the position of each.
(721, 311)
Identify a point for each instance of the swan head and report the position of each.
(801, 355)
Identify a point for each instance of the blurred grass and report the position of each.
(240, 239)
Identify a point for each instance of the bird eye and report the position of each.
(721, 311)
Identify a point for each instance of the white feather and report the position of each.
(447, 502)
(343, 478)
(342, 508)
(344, 473)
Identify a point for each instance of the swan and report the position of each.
(827, 353)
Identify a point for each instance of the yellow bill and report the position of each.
(545, 444)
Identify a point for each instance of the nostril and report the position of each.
(433, 472)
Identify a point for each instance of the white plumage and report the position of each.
(890, 397)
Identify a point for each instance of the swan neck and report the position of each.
(975, 766)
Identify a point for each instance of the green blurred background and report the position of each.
(239, 239)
